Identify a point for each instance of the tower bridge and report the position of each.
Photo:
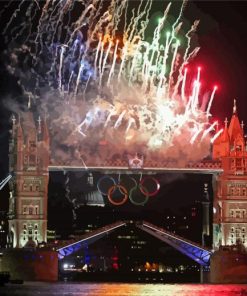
(30, 164)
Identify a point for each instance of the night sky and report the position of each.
(223, 41)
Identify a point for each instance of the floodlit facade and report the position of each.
(28, 162)
(230, 199)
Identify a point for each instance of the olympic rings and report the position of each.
(142, 203)
(143, 189)
(100, 181)
(117, 184)
(122, 189)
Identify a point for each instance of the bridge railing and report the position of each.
(87, 235)
(174, 235)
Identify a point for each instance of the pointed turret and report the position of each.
(45, 132)
(221, 146)
(235, 130)
(19, 134)
(20, 144)
(43, 145)
(225, 134)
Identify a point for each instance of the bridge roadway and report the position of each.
(195, 251)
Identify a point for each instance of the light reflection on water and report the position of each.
(117, 289)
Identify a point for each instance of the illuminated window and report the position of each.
(32, 145)
(237, 232)
(238, 162)
(25, 159)
(25, 187)
(30, 210)
(244, 191)
(32, 159)
(238, 213)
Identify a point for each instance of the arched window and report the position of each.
(30, 210)
(244, 191)
(25, 187)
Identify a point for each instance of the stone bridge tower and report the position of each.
(230, 200)
(28, 162)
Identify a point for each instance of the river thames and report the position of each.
(120, 289)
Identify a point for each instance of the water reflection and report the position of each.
(117, 289)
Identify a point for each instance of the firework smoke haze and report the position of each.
(104, 88)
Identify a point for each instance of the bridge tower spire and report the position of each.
(28, 162)
(230, 201)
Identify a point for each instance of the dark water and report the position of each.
(118, 289)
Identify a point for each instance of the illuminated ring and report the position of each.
(122, 190)
(100, 181)
(135, 202)
(144, 190)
